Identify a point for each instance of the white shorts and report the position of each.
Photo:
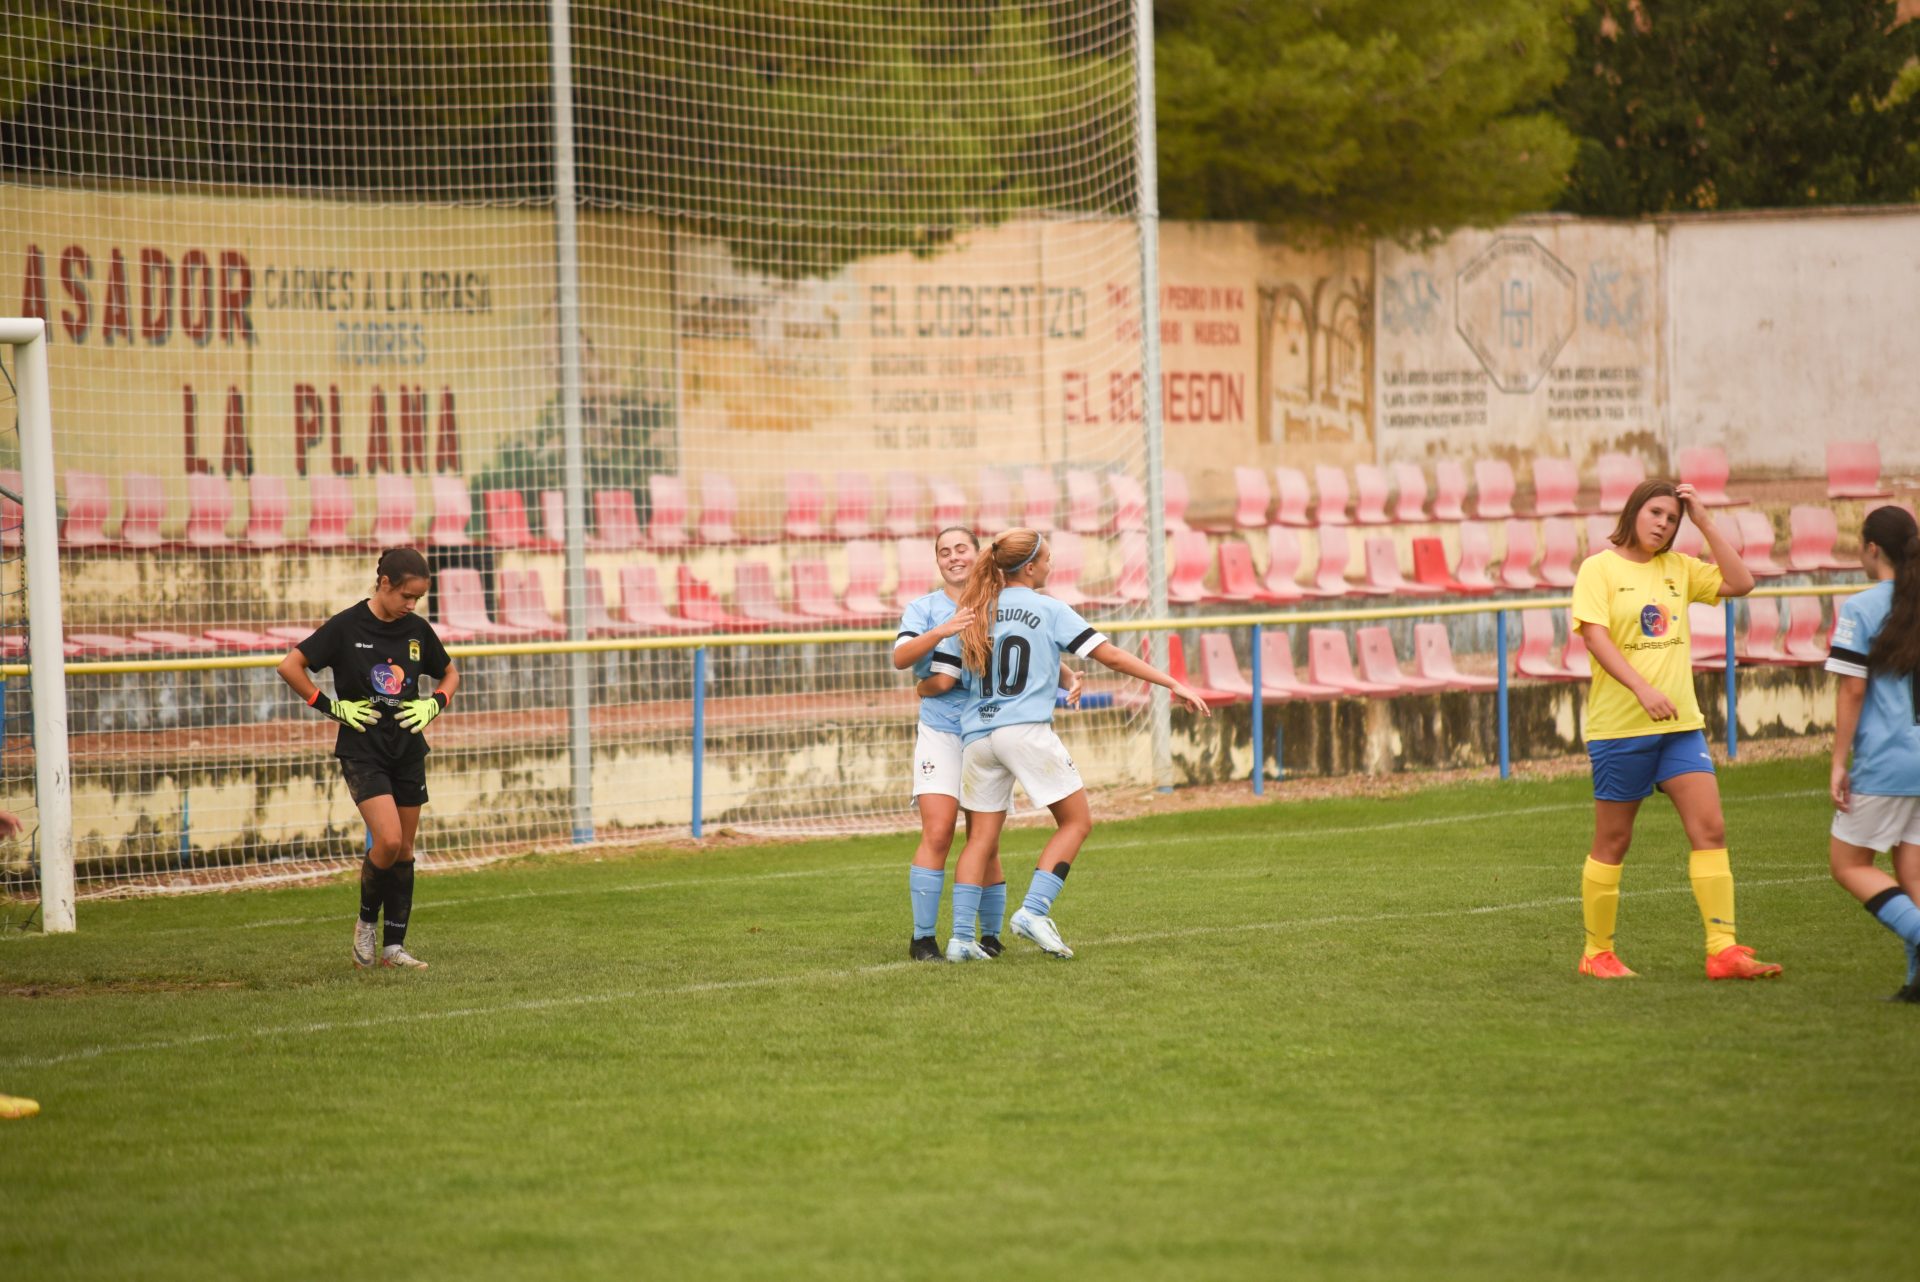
(936, 762)
(1879, 823)
(1031, 753)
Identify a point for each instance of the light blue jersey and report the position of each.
(1029, 635)
(942, 712)
(1886, 744)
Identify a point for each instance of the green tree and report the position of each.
(1352, 118)
(1739, 104)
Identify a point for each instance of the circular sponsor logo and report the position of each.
(387, 679)
(1653, 621)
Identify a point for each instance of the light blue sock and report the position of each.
(923, 886)
(1913, 965)
(993, 908)
(966, 910)
(1041, 892)
(1896, 910)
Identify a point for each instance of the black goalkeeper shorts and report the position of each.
(405, 783)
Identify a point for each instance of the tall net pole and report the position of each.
(1149, 219)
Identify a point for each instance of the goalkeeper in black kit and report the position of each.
(391, 679)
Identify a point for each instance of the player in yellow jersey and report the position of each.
(1644, 728)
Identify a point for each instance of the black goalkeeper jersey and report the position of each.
(388, 663)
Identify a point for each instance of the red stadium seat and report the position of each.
(1129, 504)
(87, 506)
(1410, 503)
(1292, 497)
(1493, 487)
(1278, 680)
(1220, 668)
(1187, 579)
(1756, 543)
(1238, 582)
(1330, 663)
(949, 505)
(329, 512)
(523, 604)
(1383, 575)
(1130, 583)
(754, 595)
(616, 522)
(1556, 487)
(1516, 567)
(806, 506)
(393, 505)
(1853, 470)
(553, 519)
(460, 601)
(600, 619)
(1174, 497)
(1707, 626)
(1449, 491)
(1433, 659)
(641, 602)
(1600, 532)
(995, 511)
(1430, 567)
(506, 515)
(902, 516)
(1330, 571)
(1040, 499)
(1377, 662)
(144, 507)
(1619, 474)
(719, 510)
(1069, 563)
(452, 512)
(1535, 656)
(12, 515)
(103, 645)
(866, 571)
(1331, 484)
(1806, 633)
(209, 508)
(1761, 644)
(1370, 495)
(698, 602)
(853, 506)
(1177, 669)
(1574, 659)
(1812, 532)
(1560, 548)
(167, 641)
(1083, 502)
(1251, 497)
(1705, 468)
(1280, 583)
(916, 571)
(1476, 555)
(1688, 541)
(267, 507)
(667, 512)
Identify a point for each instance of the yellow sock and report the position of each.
(1600, 903)
(1713, 891)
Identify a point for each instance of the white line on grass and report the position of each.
(776, 981)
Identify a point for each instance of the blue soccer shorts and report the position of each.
(1628, 769)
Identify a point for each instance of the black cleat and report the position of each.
(926, 948)
(991, 945)
(1911, 993)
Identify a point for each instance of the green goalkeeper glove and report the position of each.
(355, 714)
(416, 713)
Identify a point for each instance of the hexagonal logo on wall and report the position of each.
(1515, 305)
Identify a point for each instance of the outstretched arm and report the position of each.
(1127, 665)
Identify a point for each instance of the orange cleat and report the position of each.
(1736, 961)
(1605, 966)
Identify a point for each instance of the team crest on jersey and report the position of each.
(387, 679)
(413, 650)
(1654, 620)
(927, 768)
(1673, 589)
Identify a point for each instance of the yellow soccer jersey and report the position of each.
(1644, 610)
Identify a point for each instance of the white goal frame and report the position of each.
(46, 653)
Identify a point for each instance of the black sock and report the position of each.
(399, 904)
(373, 889)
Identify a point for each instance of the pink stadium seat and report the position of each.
(452, 510)
(1535, 656)
(1187, 577)
(1756, 543)
(460, 600)
(1292, 495)
(916, 572)
(1619, 473)
(241, 640)
(995, 511)
(1806, 634)
(523, 604)
(1130, 582)
(12, 515)
(1574, 660)
(902, 516)
(698, 602)
(949, 504)
(1177, 669)
(1853, 470)
(1278, 680)
(1220, 668)
(641, 603)
(1040, 499)
(1280, 583)
(1373, 648)
(1707, 627)
(209, 508)
(1449, 491)
(616, 522)
(1812, 532)
(144, 507)
(1762, 643)
(719, 510)
(1433, 659)
(1600, 532)
(1494, 487)
(1129, 503)
(1516, 567)
(553, 518)
(813, 593)
(1238, 582)
(1370, 495)
(1705, 468)
(667, 512)
(1251, 497)
(1383, 577)
(1083, 502)
(329, 511)
(167, 641)
(1560, 549)
(1476, 555)
(1688, 541)
(1330, 663)
(1330, 571)
(600, 620)
(506, 514)
(806, 506)
(1410, 503)
(753, 593)
(866, 571)
(1174, 497)
(393, 504)
(1069, 563)
(853, 505)
(103, 645)
(1331, 483)
(1556, 487)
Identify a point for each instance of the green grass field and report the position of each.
(1328, 1039)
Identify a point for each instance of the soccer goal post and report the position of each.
(46, 657)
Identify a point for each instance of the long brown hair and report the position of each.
(1005, 552)
(1623, 530)
(1893, 530)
